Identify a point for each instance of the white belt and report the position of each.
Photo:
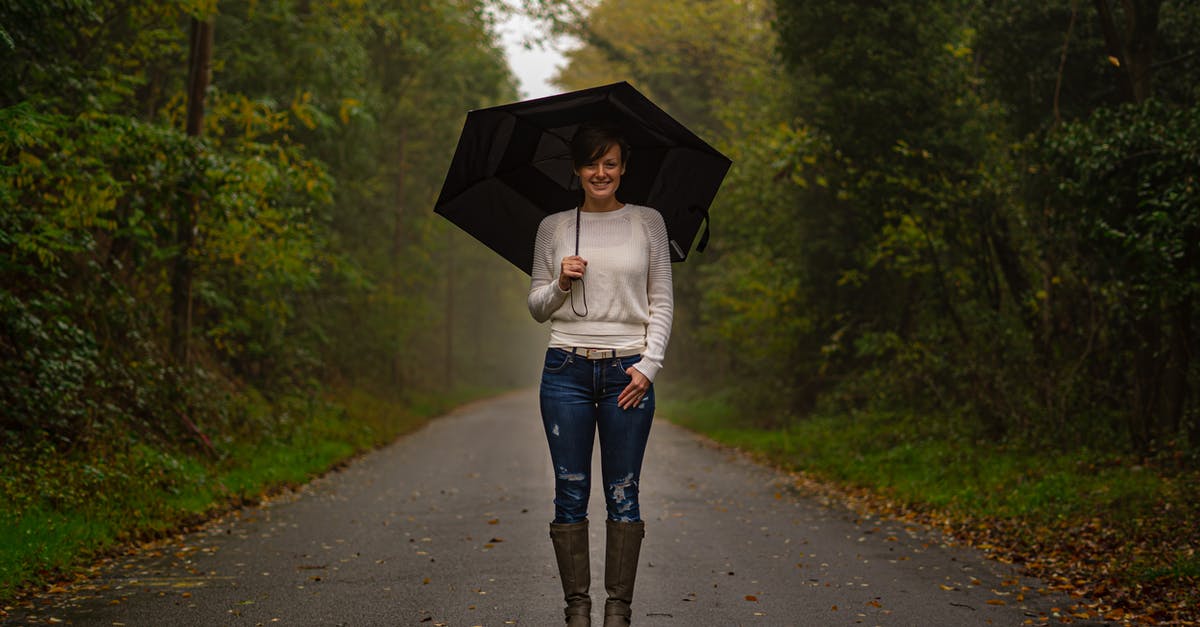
(605, 353)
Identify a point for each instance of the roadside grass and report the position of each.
(63, 511)
(1122, 521)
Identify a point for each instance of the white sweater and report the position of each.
(627, 282)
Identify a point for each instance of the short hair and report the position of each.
(593, 139)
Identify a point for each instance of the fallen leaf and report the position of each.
(751, 597)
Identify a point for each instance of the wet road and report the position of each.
(448, 526)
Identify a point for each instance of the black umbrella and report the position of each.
(513, 167)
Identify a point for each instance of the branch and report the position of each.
(1183, 57)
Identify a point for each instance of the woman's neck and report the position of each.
(599, 206)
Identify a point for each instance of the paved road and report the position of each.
(448, 527)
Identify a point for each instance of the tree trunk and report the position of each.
(1141, 34)
(199, 75)
(397, 250)
(448, 375)
(1156, 398)
(1116, 49)
(1135, 53)
(1062, 61)
(1179, 361)
(1146, 383)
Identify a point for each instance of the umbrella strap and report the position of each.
(582, 287)
(703, 238)
(583, 290)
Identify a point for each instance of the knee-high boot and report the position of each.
(623, 544)
(571, 551)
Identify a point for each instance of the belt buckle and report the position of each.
(598, 353)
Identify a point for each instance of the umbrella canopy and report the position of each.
(513, 167)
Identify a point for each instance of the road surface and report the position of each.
(448, 526)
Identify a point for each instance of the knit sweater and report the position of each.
(627, 282)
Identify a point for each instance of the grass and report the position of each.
(1140, 518)
(62, 511)
(914, 461)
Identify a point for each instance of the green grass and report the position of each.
(914, 460)
(61, 511)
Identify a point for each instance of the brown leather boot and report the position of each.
(571, 550)
(623, 544)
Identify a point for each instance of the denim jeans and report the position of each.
(579, 398)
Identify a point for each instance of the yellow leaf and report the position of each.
(1115, 61)
(348, 104)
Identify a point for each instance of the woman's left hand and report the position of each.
(633, 393)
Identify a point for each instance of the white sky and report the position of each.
(533, 67)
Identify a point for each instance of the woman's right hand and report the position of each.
(573, 267)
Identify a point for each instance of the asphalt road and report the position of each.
(448, 526)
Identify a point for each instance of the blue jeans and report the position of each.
(579, 398)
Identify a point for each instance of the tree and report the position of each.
(199, 76)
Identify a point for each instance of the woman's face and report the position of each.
(601, 177)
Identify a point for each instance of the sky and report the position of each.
(533, 67)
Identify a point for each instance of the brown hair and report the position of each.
(593, 139)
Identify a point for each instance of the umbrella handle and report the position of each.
(582, 287)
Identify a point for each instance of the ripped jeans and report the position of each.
(579, 398)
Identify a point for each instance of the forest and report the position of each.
(957, 233)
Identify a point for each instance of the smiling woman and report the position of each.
(600, 363)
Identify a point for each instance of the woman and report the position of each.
(602, 276)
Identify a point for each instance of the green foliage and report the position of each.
(899, 238)
(315, 260)
(940, 206)
(1127, 185)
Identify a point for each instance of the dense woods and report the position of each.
(197, 201)
(216, 229)
(217, 215)
(982, 210)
